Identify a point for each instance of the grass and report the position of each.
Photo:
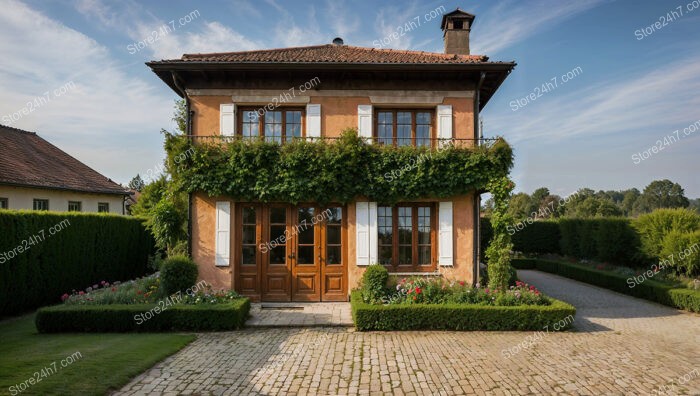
(108, 360)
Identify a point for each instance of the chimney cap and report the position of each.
(456, 14)
(338, 41)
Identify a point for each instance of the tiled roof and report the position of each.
(332, 53)
(28, 160)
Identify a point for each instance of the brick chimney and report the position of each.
(456, 26)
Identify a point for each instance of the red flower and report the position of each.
(418, 290)
(461, 283)
(414, 298)
(64, 297)
(114, 289)
(532, 287)
(81, 292)
(138, 291)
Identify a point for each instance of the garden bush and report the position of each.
(453, 316)
(177, 274)
(44, 254)
(373, 284)
(653, 227)
(682, 251)
(135, 318)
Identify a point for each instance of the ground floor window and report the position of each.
(74, 206)
(103, 207)
(406, 237)
(3, 203)
(41, 204)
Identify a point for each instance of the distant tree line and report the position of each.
(586, 203)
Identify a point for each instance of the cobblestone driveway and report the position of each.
(620, 345)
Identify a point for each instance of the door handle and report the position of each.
(291, 256)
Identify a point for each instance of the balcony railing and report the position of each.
(423, 142)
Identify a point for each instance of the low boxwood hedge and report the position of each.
(458, 316)
(126, 318)
(649, 289)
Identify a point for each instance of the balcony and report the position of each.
(340, 169)
(425, 142)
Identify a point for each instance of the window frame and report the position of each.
(79, 203)
(413, 111)
(4, 203)
(100, 204)
(261, 120)
(37, 200)
(395, 266)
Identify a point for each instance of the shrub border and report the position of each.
(650, 289)
(456, 316)
(118, 318)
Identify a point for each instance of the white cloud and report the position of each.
(509, 22)
(105, 120)
(611, 106)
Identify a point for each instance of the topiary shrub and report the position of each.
(177, 273)
(654, 227)
(374, 283)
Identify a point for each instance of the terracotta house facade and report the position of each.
(276, 251)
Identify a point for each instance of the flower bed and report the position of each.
(438, 304)
(649, 289)
(142, 305)
(455, 316)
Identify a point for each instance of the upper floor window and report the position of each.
(404, 127)
(41, 204)
(279, 125)
(103, 207)
(74, 206)
(3, 203)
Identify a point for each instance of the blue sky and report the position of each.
(105, 107)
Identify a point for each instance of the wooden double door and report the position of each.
(291, 253)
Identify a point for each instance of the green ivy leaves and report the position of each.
(338, 170)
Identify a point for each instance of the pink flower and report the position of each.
(81, 292)
(64, 297)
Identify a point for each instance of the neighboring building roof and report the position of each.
(332, 53)
(27, 160)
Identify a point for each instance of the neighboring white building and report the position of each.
(34, 174)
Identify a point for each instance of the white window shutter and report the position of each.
(364, 121)
(223, 233)
(227, 122)
(366, 225)
(444, 123)
(313, 120)
(445, 238)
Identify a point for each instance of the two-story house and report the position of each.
(305, 251)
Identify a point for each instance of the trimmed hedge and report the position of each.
(649, 289)
(607, 239)
(119, 318)
(538, 237)
(83, 250)
(457, 316)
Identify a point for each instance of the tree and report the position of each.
(520, 206)
(607, 208)
(628, 202)
(538, 195)
(163, 205)
(663, 194)
(136, 183)
(695, 205)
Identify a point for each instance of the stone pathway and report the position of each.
(620, 346)
(300, 314)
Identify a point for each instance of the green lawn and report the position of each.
(107, 361)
